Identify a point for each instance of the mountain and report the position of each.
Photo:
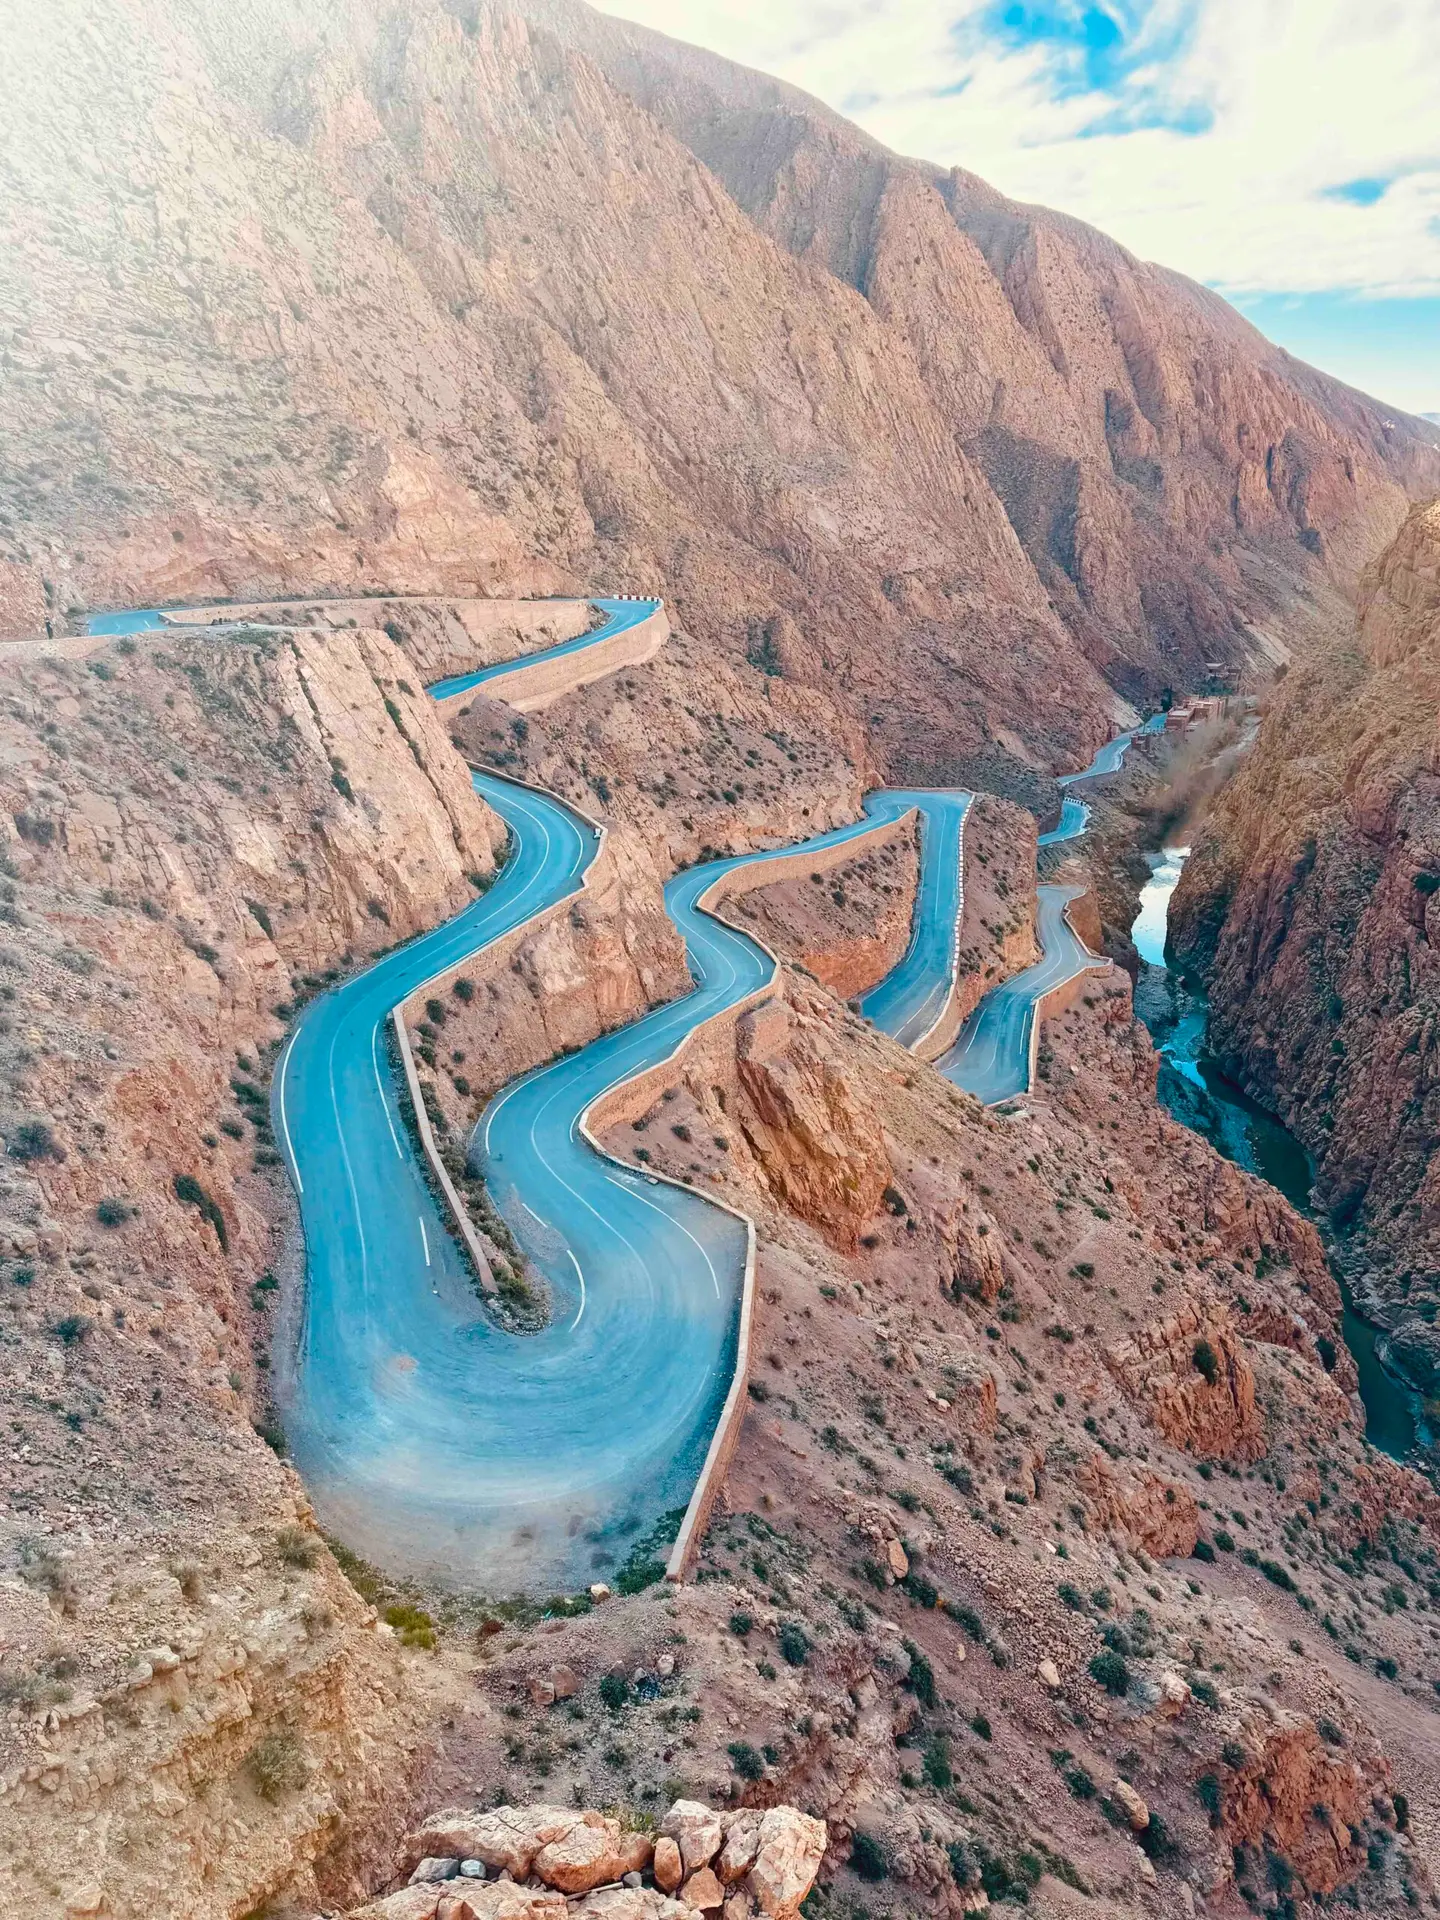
(499, 296)
(1309, 907)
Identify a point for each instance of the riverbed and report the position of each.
(1199, 1095)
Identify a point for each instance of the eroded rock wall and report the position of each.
(1309, 909)
(197, 830)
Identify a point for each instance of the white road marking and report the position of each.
(580, 1275)
(424, 1239)
(384, 1103)
(284, 1123)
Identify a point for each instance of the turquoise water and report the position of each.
(1199, 1095)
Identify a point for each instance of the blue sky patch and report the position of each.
(1120, 53)
(1357, 193)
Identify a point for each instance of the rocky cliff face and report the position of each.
(1310, 908)
(503, 296)
(196, 831)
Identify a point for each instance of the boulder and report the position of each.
(627, 1903)
(635, 1850)
(434, 1867)
(669, 1868)
(738, 1907)
(1049, 1675)
(703, 1891)
(473, 1869)
(585, 1857)
(506, 1838)
(742, 1843)
(792, 1845)
(1130, 1804)
(695, 1830)
(898, 1558)
(565, 1681)
(411, 1903)
(501, 1900)
(1174, 1693)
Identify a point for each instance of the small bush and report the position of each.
(190, 1193)
(113, 1213)
(413, 1625)
(1108, 1669)
(71, 1330)
(1205, 1362)
(980, 1727)
(921, 1677)
(1207, 1792)
(741, 1623)
(1202, 1550)
(966, 1617)
(614, 1692)
(297, 1548)
(746, 1761)
(938, 1770)
(277, 1764)
(33, 1140)
(868, 1857)
(794, 1646)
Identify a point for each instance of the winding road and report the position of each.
(431, 1440)
(992, 1057)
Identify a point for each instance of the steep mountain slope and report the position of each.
(1310, 909)
(438, 296)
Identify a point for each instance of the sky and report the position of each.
(1285, 152)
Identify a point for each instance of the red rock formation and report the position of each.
(815, 1138)
(1190, 1375)
(1151, 1512)
(1299, 1799)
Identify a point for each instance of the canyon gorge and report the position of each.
(1048, 1562)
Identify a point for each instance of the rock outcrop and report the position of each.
(543, 1863)
(1191, 1375)
(814, 1137)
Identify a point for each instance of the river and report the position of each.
(1199, 1095)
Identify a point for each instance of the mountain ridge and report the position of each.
(463, 251)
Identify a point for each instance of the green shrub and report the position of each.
(921, 1677)
(938, 1770)
(1202, 1550)
(33, 1140)
(868, 1857)
(746, 1761)
(113, 1213)
(413, 1625)
(794, 1646)
(614, 1692)
(190, 1193)
(1206, 1364)
(741, 1623)
(1108, 1669)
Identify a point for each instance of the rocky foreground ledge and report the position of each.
(551, 1863)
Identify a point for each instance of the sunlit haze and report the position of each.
(1288, 156)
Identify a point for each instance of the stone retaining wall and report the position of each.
(528, 688)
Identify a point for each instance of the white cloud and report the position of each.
(1298, 98)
